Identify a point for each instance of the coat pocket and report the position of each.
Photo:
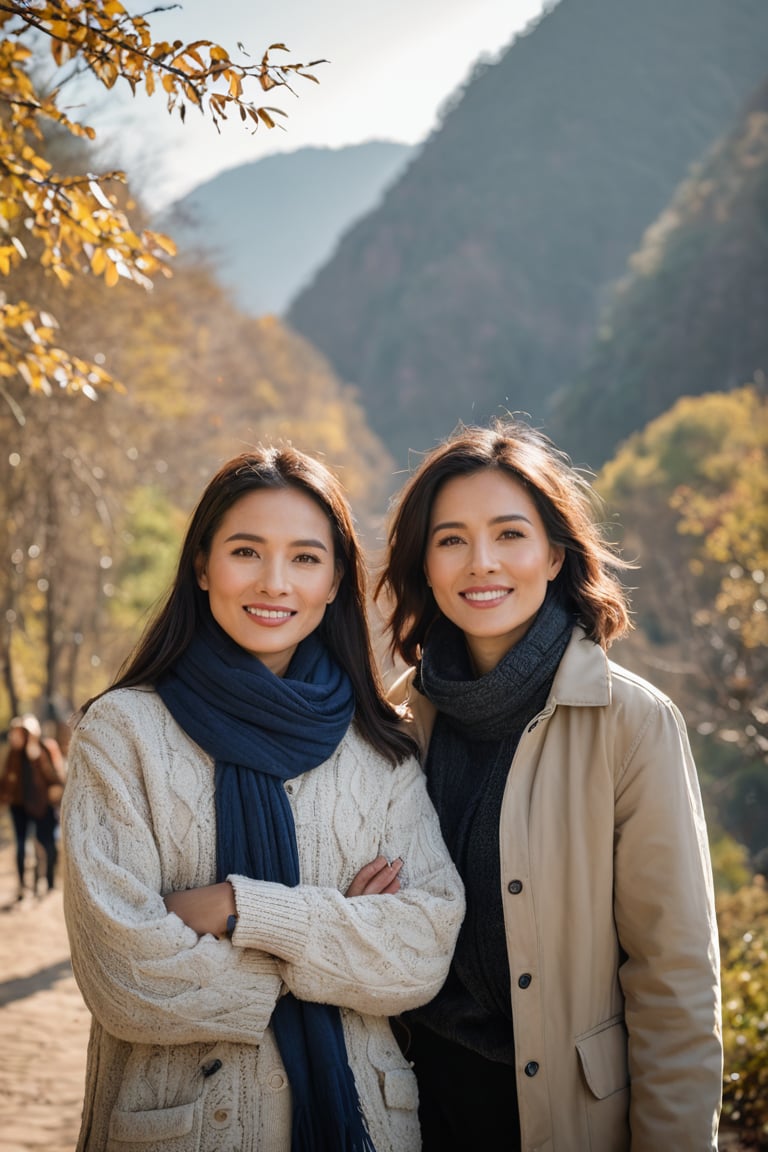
(603, 1055)
(396, 1078)
(604, 1064)
(385, 1081)
(156, 1126)
(182, 1099)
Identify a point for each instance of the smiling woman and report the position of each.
(582, 1009)
(256, 878)
(488, 561)
(270, 573)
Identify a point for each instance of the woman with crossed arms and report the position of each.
(256, 878)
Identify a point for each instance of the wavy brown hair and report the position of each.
(344, 628)
(569, 507)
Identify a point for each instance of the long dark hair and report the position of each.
(565, 500)
(345, 626)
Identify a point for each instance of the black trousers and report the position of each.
(466, 1102)
(45, 834)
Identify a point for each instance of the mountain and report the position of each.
(691, 315)
(478, 283)
(267, 226)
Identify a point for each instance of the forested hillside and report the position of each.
(478, 283)
(692, 314)
(266, 227)
(691, 492)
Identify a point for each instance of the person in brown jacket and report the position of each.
(32, 783)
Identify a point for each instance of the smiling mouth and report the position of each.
(270, 613)
(485, 597)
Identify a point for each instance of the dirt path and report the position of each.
(43, 1021)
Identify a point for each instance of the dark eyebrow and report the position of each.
(496, 520)
(252, 539)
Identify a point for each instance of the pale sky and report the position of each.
(392, 65)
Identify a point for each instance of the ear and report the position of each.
(200, 572)
(556, 560)
(336, 584)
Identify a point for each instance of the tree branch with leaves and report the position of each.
(77, 224)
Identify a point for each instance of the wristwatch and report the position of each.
(231, 924)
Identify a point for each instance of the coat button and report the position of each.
(524, 980)
(276, 1081)
(531, 1068)
(515, 887)
(220, 1115)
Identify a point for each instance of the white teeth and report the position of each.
(269, 613)
(497, 595)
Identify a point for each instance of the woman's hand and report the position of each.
(204, 909)
(377, 878)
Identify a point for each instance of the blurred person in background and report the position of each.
(32, 784)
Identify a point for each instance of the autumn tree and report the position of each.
(94, 493)
(72, 223)
(691, 492)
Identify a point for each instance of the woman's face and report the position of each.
(271, 573)
(17, 736)
(489, 561)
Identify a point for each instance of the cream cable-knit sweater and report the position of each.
(181, 1056)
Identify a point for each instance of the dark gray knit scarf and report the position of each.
(488, 707)
(478, 726)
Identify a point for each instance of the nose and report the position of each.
(482, 557)
(275, 577)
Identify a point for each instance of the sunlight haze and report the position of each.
(391, 67)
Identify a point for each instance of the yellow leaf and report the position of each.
(182, 65)
(191, 51)
(111, 275)
(98, 261)
(161, 241)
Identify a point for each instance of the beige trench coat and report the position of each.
(609, 907)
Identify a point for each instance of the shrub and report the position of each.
(743, 925)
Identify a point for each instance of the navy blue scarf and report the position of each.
(261, 730)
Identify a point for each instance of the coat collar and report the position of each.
(583, 677)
